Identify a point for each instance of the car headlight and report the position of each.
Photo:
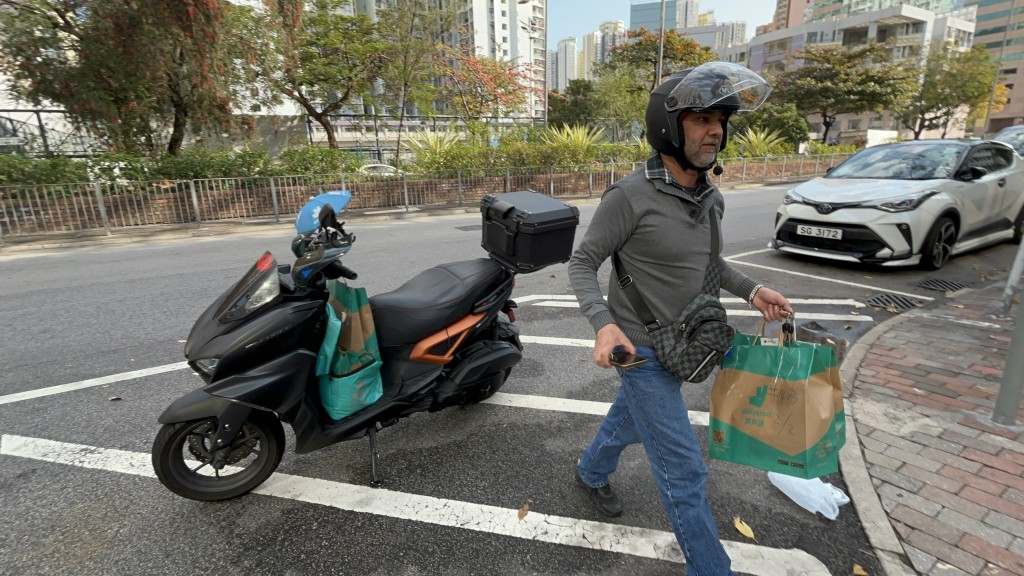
(792, 198)
(905, 203)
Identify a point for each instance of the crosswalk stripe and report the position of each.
(570, 405)
(548, 528)
(739, 312)
(60, 389)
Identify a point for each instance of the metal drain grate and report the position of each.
(893, 303)
(471, 228)
(941, 285)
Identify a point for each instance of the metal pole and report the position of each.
(458, 176)
(551, 181)
(103, 209)
(508, 185)
(405, 190)
(1008, 400)
(273, 198)
(42, 134)
(612, 179)
(1013, 282)
(590, 180)
(195, 202)
(661, 44)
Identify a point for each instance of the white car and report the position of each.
(909, 203)
(380, 170)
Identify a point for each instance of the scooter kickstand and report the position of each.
(377, 478)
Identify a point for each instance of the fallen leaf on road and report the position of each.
(182, 341)
(114, 398)
(848, 327)
(742, 527)
(525, 510)
(985, 278)
(957, 305)
(858, 571)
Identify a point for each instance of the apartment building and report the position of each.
(567, 60)
(910, 29)
(1001, 30)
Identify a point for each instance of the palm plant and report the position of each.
(575, 137)
(759, 142)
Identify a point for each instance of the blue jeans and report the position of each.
(649, 409)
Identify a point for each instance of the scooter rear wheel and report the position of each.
(183, 461)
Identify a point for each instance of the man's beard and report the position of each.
(700, 157)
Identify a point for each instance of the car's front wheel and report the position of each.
(938, 245)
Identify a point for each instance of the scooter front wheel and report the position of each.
(184, 461)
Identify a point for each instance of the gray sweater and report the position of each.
(663, 237)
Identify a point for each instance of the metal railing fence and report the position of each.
(26, 210)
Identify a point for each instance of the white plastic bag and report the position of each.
(812, 495)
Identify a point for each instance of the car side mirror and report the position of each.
(973, 173)
(829, 169)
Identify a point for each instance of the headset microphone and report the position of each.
(717, 170)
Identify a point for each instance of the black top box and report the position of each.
(526, 231)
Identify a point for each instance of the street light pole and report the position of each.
(661, 44)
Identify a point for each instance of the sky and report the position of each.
(577, 18)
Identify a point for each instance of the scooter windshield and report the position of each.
(257, 287)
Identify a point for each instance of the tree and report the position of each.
(977, 115)
(828, 80)
(127, 70)
(411, 32)
(576, 107)
(783, 119)
(950, 80)
(477, 86)
(640, 56)
(316, 56)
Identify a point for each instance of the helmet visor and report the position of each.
(719, 85)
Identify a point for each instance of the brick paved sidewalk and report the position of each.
(950, 481)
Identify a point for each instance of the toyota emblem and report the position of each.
(824, 208)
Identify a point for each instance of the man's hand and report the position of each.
(773, 306)
(608, 338)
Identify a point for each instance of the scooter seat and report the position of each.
(433, 300)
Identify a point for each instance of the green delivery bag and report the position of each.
(778, 407)
(348, 366)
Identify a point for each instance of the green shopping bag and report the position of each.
(348, 366)
(778, 407)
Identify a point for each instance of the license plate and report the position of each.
(818, 232)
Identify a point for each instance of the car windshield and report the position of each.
(1015, 139)
(910, 161)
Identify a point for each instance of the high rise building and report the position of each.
(612, 33)
(826, 9)
(678, 14)
(706, 18)
(1002, 33)
(506, 30)
(789, 13)
(589, 55)
(567, 59)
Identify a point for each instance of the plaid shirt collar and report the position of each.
(655, 169)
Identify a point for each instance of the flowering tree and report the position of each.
(477, 86)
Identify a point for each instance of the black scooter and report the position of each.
(443, 343)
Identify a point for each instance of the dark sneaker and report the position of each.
(604, 498)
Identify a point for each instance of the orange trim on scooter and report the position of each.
(420, 353)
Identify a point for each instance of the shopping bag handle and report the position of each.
(787, 333)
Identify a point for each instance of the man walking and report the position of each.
(657, 220)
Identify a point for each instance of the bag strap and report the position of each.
(636, 300)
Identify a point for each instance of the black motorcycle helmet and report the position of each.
(712, 86)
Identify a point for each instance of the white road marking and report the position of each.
(570, 405)
(616, 538)
(808, 316)
(60, 389)
(569, 301)
(733, 260)
(557, 341)
(731, 311)
(532, 297)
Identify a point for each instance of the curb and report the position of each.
(873, 518)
